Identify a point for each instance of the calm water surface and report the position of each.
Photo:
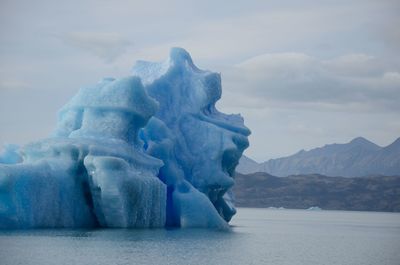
(258, 236)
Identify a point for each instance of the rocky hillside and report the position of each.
(374, 193)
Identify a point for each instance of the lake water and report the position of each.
(258, 236)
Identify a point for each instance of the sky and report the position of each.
(302, 73)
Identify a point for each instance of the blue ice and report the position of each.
(147, 150)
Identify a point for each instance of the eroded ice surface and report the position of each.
(148, 150)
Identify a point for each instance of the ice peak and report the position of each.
(179, 55)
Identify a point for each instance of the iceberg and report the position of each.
(314, 208)
(147, 150)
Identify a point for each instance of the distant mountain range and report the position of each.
(374, 193)
(357, 158)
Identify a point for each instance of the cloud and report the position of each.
(354, 65)
(358, 82)
(105, 45)
(279, 65)
(13, 84)
(386, 28)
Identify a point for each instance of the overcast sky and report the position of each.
(301, 73)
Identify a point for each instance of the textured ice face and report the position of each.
(149, 150)
(203, 145)
(93, 171)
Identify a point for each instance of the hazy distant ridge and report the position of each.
(357, 158)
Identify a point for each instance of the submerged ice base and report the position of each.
(148, 150)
